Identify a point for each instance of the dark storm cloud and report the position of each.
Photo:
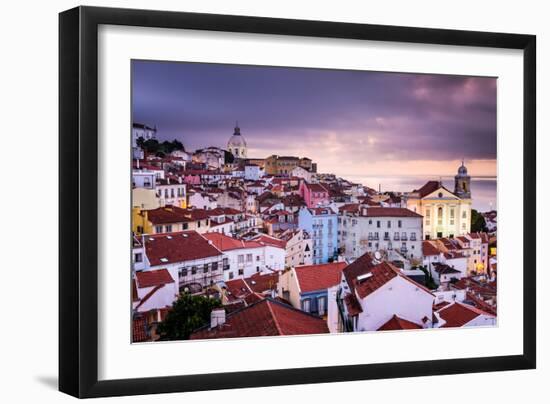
(384, 116)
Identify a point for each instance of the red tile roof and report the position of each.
(313, 187)
(428, 188)
(429, 249)
(167, 214)
(319, 277)
(262, 282)
(459, 314)
(398, 323)
(226, 243)
(158, 277)
(271, 241)
(178, 247)
(352, 305)
(349, 208)
(390, 212)
(267, 317)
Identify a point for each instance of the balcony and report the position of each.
(396, 237)
(404, 237)
(403, 250)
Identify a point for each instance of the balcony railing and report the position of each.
(404, 238)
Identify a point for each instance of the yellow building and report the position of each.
(283, 165)
(169, 219)
(446, 213)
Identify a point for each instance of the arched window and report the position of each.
(440, 215)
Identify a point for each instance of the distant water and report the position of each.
(484, 189)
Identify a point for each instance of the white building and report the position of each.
(370, 229)
(299, 247)
(171, 192)
(202, 200)
(188, 256)
(253, 172)
(373, 294)
(301, 172)
(243, 259)
(446, 213)
(154, 290)
(144, 179)
(140, 130)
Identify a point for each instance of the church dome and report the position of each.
(237, 140)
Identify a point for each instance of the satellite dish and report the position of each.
(377, 255)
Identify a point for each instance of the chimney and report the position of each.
(217, 317)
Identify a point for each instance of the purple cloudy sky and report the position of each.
(350, 122)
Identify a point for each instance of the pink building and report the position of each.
(314, 195)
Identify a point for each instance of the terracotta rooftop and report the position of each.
(377, 275)
(319, 277)
(459, 314)
(158, 277)
(390, 212)
(267, 317)
(226, 243)
(168, 248)
(429, 249)
(398, 323)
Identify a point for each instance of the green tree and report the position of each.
(478, 222)
(187, 314)
(428, 278)
(229, 158)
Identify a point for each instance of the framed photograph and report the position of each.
(251, 201)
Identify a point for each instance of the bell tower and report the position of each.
(462, 183)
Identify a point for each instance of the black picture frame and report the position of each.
(78, 201)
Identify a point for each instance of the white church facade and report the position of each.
(446, 213)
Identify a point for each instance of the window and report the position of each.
(185, 226)
(231, 276)
(258, 257)
(172, 192)
(205, 268)
(138, 257)
(214, 266)
(464, 215)
(168, 228)
(193, 270)
(240, 259)
(321, 303)
(158, 229)
(413, 236)
(166, 193)
(183, 272)
(370, 221)
(241, 271)
(378, 223)
(399, 223)
(396, 235)
(226, 263)
(389, 224)
(306, 305)
(386, 235)
(452, 216)
(440, 215)
(248, 257)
